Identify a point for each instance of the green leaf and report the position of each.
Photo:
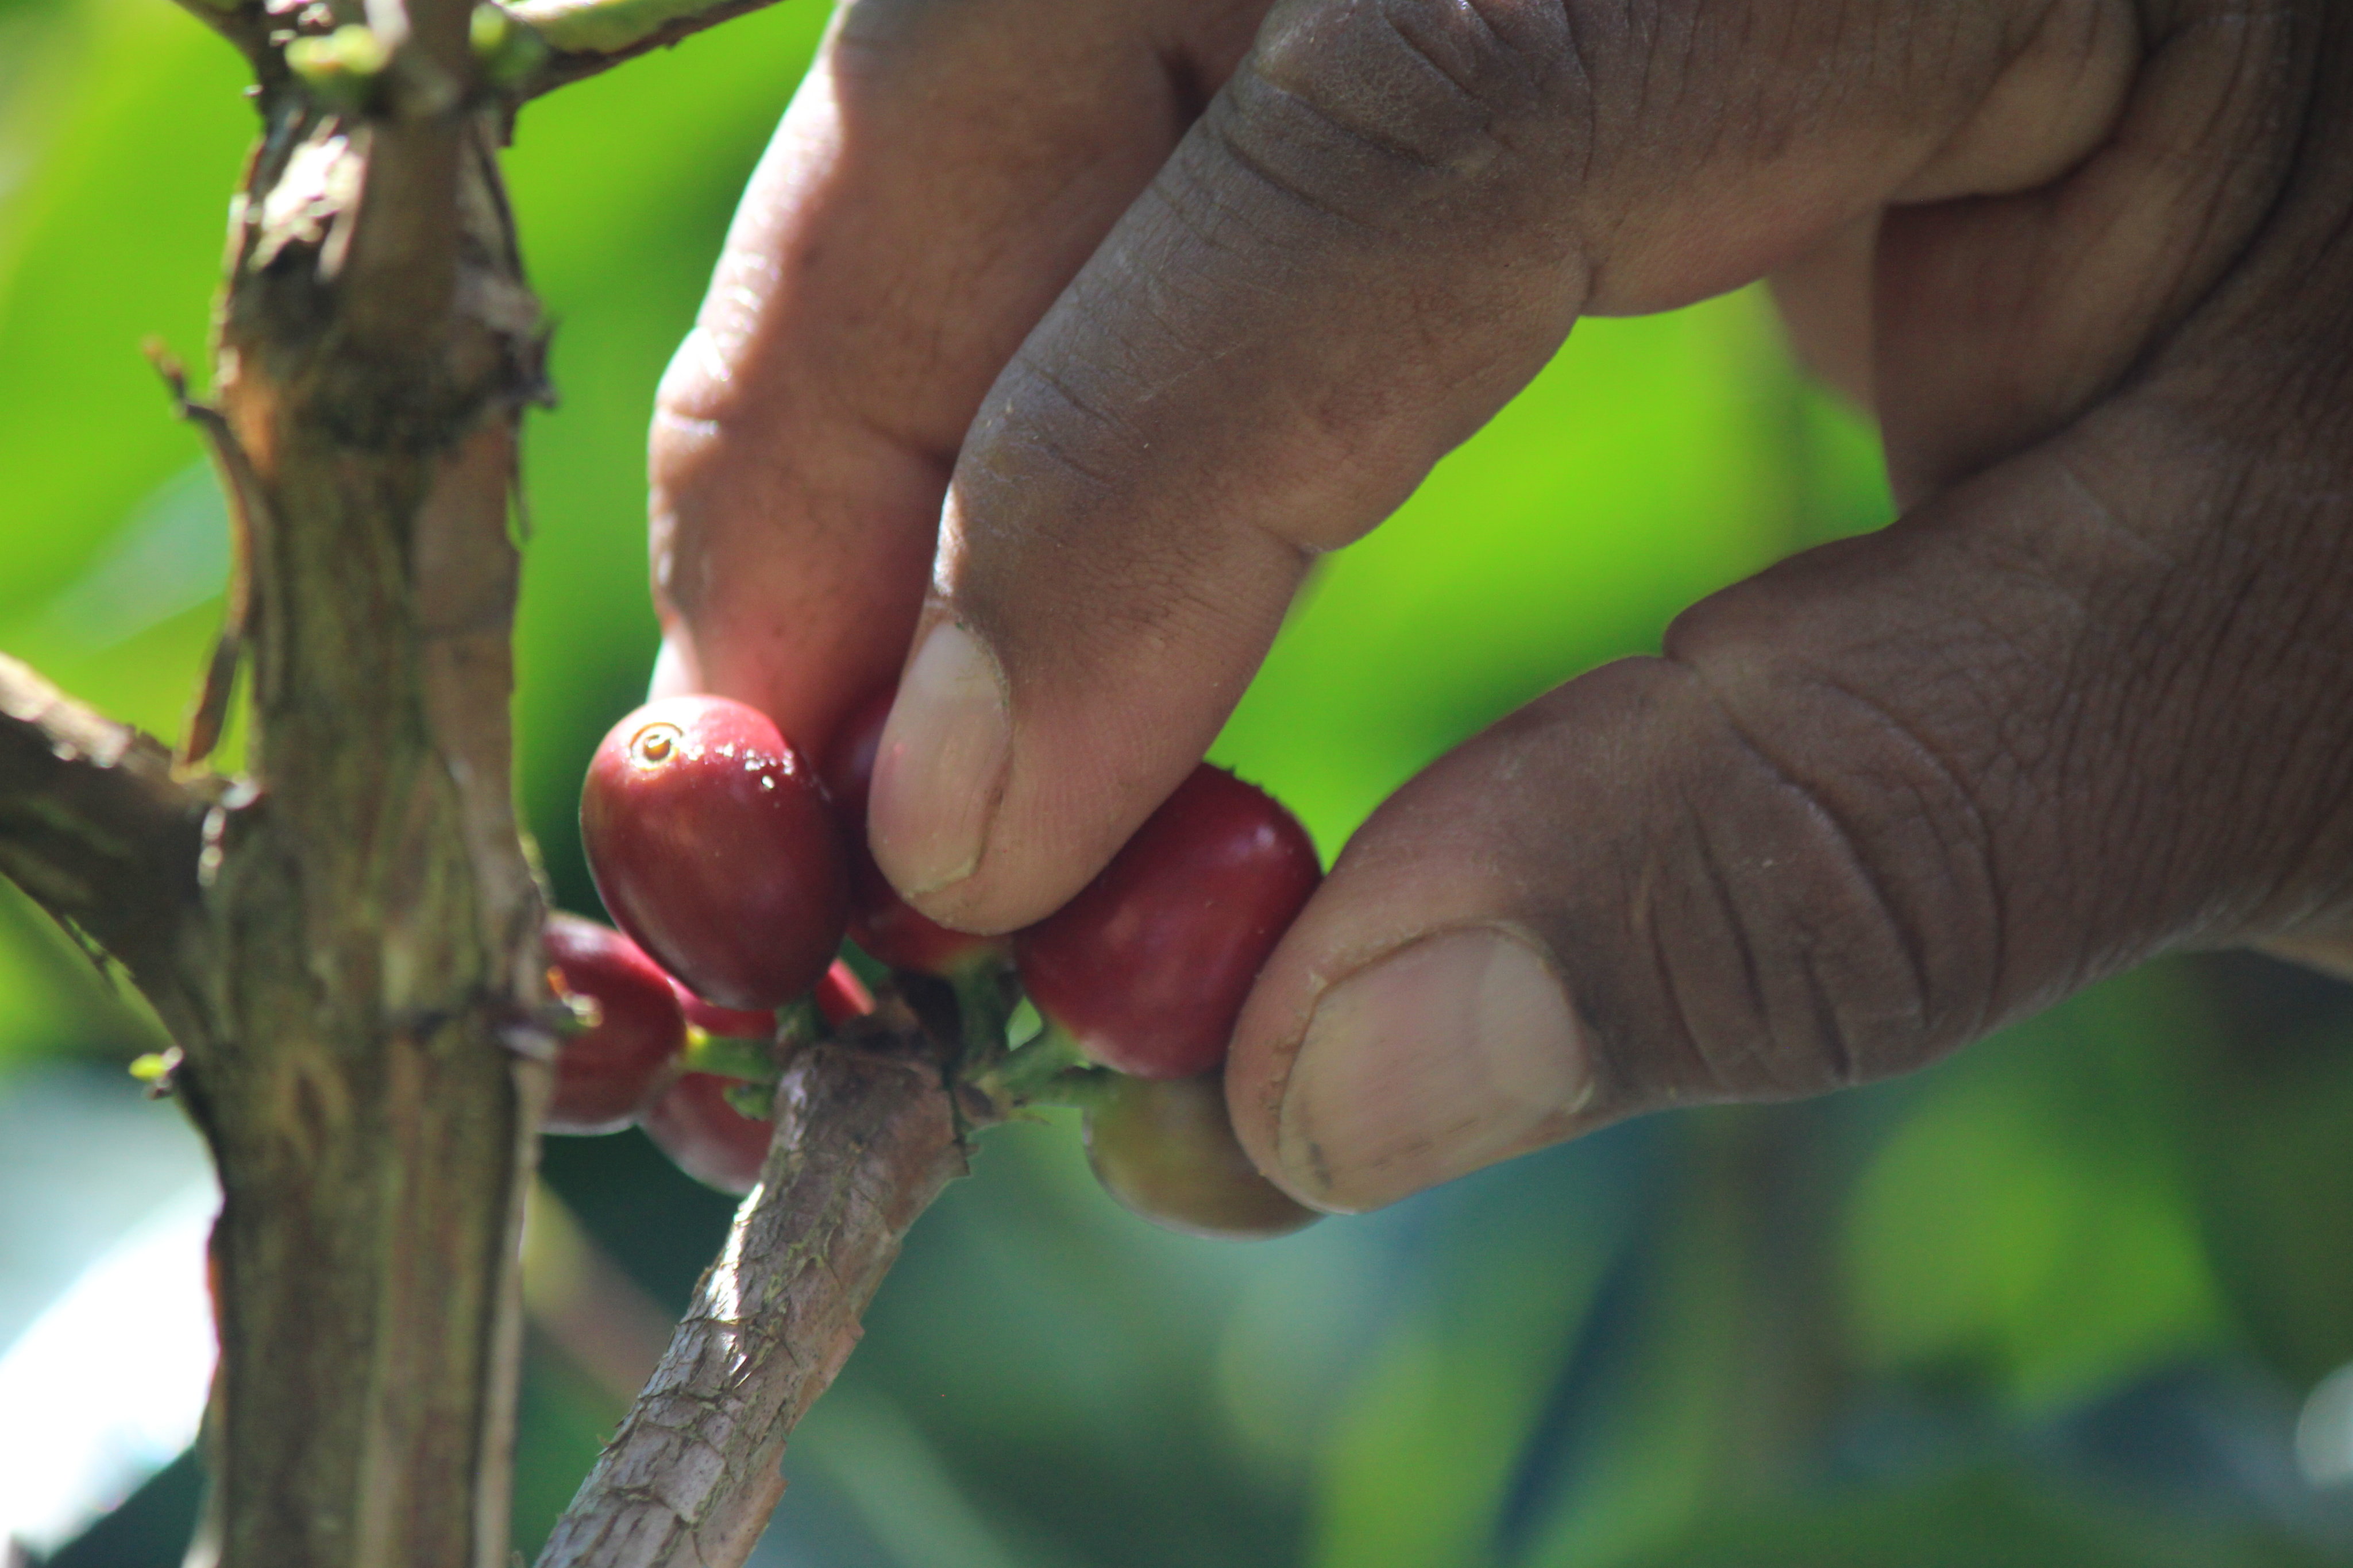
(114, 236)
(2266, 1141)
(1982, 1518)
(2027, 1226)
(1422, 1454)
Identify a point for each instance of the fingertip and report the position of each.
(1437, 1058)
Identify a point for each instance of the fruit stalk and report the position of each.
(866, 1137)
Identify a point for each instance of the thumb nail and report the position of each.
(1448, 1055)
(941, 765)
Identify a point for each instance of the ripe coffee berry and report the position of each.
(707, 1138)
(1167, 1150)
(615, 1066)
(713, 845)
(1147, 967)
(880, 922)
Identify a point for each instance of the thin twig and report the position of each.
(866, 1139)
(241, 22)
(93, 823)
(586, 36)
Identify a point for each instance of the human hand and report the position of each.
(1165, 296)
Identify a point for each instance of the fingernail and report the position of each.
(1448, 1055)
(941, 764)
(674, 672)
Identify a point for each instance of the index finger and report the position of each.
(939, 177)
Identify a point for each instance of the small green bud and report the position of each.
(507, 49)
(754, 1101)
(156, 1069)
(342, 68)
(487, 30)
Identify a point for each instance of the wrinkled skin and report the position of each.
(1057, 337)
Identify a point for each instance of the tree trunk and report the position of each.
(344, 943)
(365, 1070)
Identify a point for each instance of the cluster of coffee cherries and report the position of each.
(737, 870)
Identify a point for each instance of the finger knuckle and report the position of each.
(1384, 111)
(1822, 911)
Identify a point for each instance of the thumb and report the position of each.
(1869, 805)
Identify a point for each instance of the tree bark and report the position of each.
(369, 1087)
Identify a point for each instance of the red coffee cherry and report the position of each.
(707, 1138)
(886, 925)
(713, 845)
(1164, 1148)
(615, 1067)
(1147, 967)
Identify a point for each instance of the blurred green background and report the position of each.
(2060, 1301)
